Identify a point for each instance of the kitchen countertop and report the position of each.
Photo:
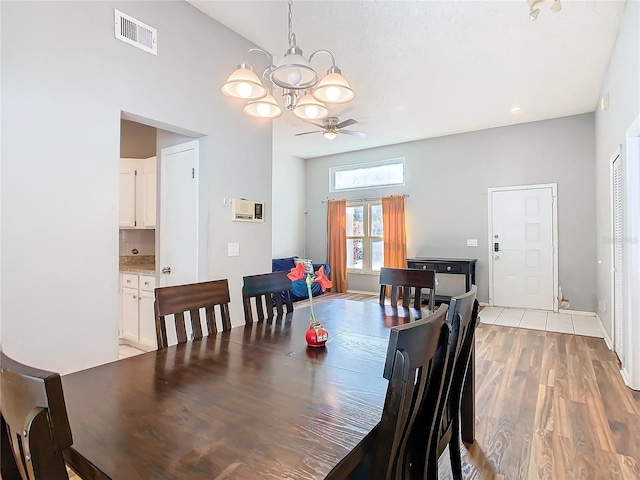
(142, 269)
(140, 264)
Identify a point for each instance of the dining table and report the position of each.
(253, 402)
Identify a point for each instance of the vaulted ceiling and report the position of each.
(425, 69)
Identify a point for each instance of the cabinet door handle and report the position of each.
(146, 283)
(135, 296)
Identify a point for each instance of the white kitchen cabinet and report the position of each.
(138, 192)
(137, 314)
(149, 180)
(127, 193)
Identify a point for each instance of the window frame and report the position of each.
(357, 166)
(367, 237)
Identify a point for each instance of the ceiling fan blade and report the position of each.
(353, 132)
(306, 133)
(346, 123)
(316, 124)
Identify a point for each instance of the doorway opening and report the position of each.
(159, 220)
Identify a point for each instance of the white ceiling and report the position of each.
(425, 69)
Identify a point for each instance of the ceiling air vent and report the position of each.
(136, 33)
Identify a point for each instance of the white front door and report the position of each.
(522, 247)
(178, 227)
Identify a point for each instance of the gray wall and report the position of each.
(137, 140)
(62, 101)
(622, 85)
(288, 205)
(447, 180)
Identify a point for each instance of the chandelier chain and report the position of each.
(290, 18)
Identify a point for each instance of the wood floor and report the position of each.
(548, 406)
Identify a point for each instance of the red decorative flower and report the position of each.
(322, 279)
(296, 273)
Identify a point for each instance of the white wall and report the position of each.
(622, 85)
(288, 205)
(63, 91)
(447, 180)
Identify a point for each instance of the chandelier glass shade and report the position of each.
(304, 93)
(334, 88)
(265, 107)
(245, 84)
(308, 108)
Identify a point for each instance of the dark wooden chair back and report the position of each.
(417, 355)
(462, 318)
(179, 299)
(35, 427)
(407, 278)
(268, 290)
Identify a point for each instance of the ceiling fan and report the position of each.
(331, 126)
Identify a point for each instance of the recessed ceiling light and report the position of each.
(515, 109)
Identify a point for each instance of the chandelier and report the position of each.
(534, 11)
(303, 92)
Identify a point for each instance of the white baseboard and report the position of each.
(578, 312)
(362, 292)
(607, 339)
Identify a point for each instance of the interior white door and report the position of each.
(178, 227)
(522, 253)
(617, 223)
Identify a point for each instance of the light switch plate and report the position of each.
(233, 249)
(472, 242)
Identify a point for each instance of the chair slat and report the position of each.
(407, 278)
(177, 300)
(268, 290)
(196, 326)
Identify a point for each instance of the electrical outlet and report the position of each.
(472, 242)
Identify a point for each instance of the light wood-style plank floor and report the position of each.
(549, 406)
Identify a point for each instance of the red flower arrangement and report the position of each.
(316, 335)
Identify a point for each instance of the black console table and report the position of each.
(456, 266)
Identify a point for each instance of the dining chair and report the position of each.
(407, 278)
(180, 299)
(462, 318)
(35, 428)
(268, 290)
(417, 356)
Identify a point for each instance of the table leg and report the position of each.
(468, 401)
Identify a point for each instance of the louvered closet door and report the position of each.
(618, 304)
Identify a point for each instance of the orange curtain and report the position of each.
(394, 234)
(337, 244)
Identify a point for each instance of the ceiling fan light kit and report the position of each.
(303, 92)
(331, 127)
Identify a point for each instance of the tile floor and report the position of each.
(126, 351)
(564, 322)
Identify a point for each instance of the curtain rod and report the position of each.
(363, 199)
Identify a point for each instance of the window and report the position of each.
(367, 175)
(365, 250)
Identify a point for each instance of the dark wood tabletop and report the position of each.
(253, 402)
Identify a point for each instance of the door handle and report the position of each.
(166, 270)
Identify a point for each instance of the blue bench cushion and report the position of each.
(299, 287)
